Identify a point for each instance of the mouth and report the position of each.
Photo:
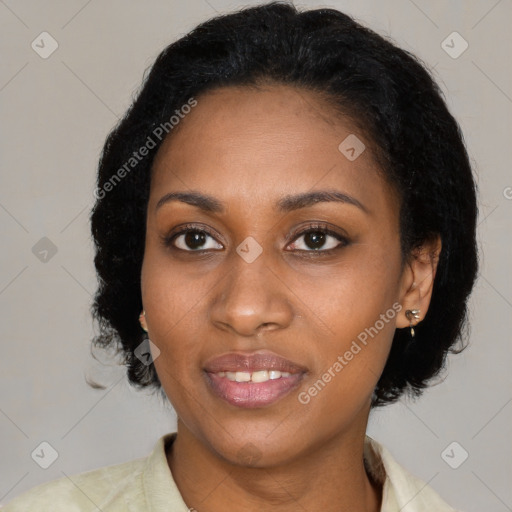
(252, 380)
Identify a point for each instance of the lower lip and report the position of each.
(252, 394)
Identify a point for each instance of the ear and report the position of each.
(142, 321)
(417, 280)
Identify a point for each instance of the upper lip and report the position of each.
(250, 362)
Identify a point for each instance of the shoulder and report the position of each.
(401, 490)
(118, 486)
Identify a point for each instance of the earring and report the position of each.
(410, 314)
(142, 321)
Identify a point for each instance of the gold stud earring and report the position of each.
(412, 314)
(142, 321)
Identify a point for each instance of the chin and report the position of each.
(255, 448)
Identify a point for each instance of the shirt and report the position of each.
(147, 485)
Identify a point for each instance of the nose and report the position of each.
(251, 299)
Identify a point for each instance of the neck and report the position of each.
(331, 478)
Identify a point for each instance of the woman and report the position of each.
(285, 235)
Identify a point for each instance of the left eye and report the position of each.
(315, 239)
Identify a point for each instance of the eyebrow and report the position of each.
(286, 204)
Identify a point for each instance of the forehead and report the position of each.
(253, 146)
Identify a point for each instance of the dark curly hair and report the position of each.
(384, 89)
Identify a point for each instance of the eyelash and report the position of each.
(311, 228)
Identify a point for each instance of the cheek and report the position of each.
(172, 302)
(353, 308)
(351, 294)
(170, 292)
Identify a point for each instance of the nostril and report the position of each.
(266, 327)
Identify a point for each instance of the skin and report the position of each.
(248, 148)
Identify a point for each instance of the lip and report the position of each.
(252, 395)
(252, 362)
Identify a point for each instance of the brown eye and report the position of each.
(192, 240)
(319, 239)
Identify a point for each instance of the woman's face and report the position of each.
(250, 281)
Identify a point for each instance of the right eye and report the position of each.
(192, 239)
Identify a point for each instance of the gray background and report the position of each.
(55, 115)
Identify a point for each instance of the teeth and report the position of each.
(242, 376)
(258, 376)
(261, 376)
